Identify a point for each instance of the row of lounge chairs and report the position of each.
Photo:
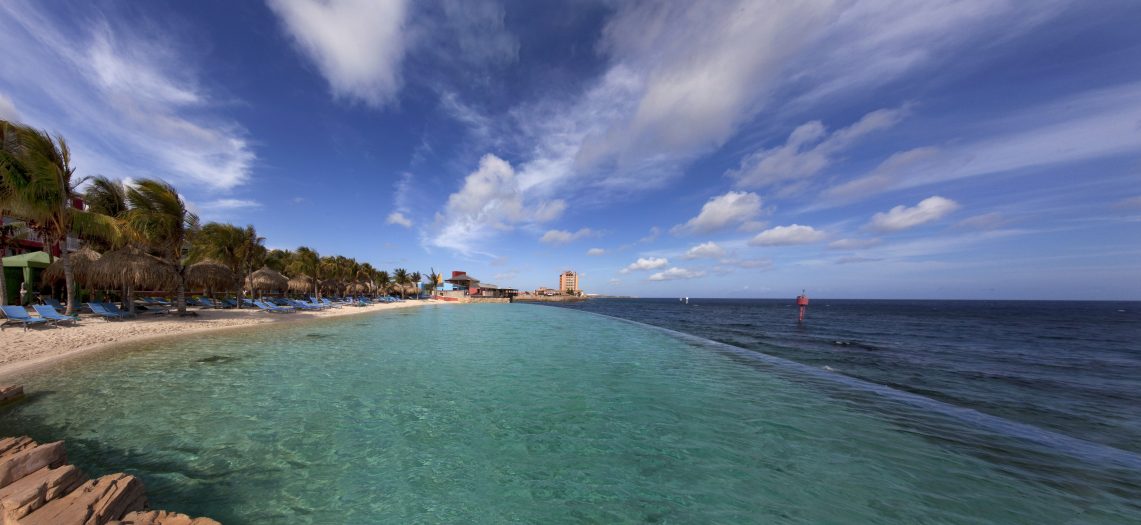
(48, 313)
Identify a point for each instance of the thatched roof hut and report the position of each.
(82, 262)
(267, 279)
(209, 274)
(301, 284)
(133, 268)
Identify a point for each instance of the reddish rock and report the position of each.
(15, 444)
(36, 489)
(161, 517)
(10, 394)
(14, 466)
(96, 502)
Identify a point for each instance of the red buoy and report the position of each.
(802, 302)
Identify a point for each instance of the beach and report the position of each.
(20, 350)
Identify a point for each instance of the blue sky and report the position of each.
(966, 149)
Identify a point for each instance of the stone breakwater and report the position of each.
(39, 487)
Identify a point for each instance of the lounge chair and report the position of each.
(52, 302)
(302, 305)
(209, 303)
(266, 307)
(156, 301)
(19, 315)
(47, 312)
(110, 307)
(98, 309)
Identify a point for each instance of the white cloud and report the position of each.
(902, 217)
(129, 101)
(787, 235)
(357, 45)
(595, 252)
(722, 211)
(564, 237)
(808, 151)
(1128, 203)
(230, 204)
(853, 244)
(490, 200)
(676, 273)
(398, 218)
(707, 250)
(749, 264)
(985, 221)
(8, 109)
(646, 263)
(1090, 125)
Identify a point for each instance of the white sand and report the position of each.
(20, 350)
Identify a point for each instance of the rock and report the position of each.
(161, 517)
(15, 444)
(96, 502)
(34, 490)
(15, 466)
(10, 394)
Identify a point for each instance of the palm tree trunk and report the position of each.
(69, 279)
(180, 298)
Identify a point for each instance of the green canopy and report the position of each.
(29, 263)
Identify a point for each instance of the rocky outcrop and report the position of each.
(10, 394)
(38, 487)
(161, 517)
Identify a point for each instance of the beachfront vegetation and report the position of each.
(150, 218)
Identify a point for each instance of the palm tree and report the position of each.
(278, 259)
(433, 279)
(400, 277)
(383, 282)
(224, 244)
(159, 216)
(414, 279)
(306, 261)
(41, 179)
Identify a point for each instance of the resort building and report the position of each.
(462, 281)
(27, 256)
(568, 282)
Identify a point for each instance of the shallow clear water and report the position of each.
(530, 414)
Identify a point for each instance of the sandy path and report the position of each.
(21, 350)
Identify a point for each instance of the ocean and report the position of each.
(516, 413)
(1067, 366)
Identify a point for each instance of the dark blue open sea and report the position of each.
(1073, 367)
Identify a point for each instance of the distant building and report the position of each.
(462, 281)
(568, 282)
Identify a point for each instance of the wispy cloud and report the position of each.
(675, 273)
(720, 212)
(810, 149)
(787, 236)
(490, 200)
(646, 263)
(706, 250)
(903, 217)
(398, 219)
(596, 252)
(8, 109)
(853, 244)
(564, 236)
(357, 45)
(130, 102)
(229, 204)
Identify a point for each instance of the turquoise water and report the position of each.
(530, 414)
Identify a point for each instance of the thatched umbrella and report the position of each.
(301, 284)
(82, 262)
(209, 274)
(267, 279)
(132, 268)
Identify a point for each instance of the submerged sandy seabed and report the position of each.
(20, 350)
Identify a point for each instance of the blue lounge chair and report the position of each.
(52, 302)
(110, 307)
(98, 309)
(302, 305)
(18, 315)
(47, 312)
(266, 307)
(209, 303)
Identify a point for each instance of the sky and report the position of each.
(873, 149)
